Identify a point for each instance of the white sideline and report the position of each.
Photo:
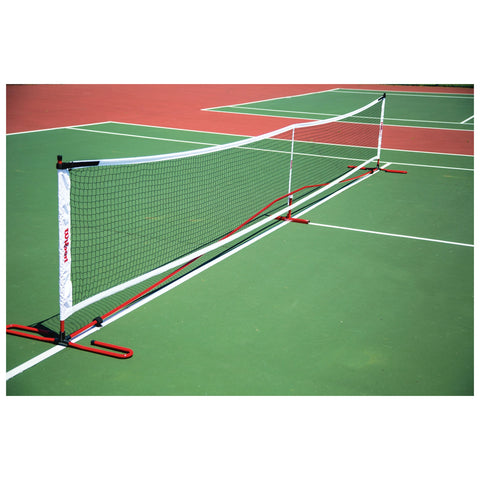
(33, 361)
(359, 116)
(139, 136)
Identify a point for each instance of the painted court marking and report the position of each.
(467, 119)
(270, 99)
(408, 94)
(391, 234)
(321, 114)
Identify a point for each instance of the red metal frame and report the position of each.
(124, 351)
(45, 336)
(11, 329)
(373, 169)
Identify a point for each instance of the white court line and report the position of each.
(245, 136)
(407, 94)
(33, 361)
(270, 99)
(216, 133)
(179, 129)
(391, 234)
(364, 91)
(321, 114)
(57, 128)
(466, 120)
(429, 153)
(426, 127)
(432, 166)
(139, 136)
(43, 356)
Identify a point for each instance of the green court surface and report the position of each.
(373, 297)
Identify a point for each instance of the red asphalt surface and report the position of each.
(38, 107)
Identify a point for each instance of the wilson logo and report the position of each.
(65, 246)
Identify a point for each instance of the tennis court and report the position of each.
(373, 297)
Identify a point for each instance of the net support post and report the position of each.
(289, 218)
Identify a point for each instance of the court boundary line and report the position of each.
(321, 114)
(313, 119)
(353, 90)
(391, 234)
(407, 93)
(466, 120)
(124, 123)
(431, 166)
(246, 136)
(78, 129)
(228, 134)
(58, 348)
(57, 128)
(273, 98)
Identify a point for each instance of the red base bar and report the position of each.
(373, 169)
(45, 336)
(294, 220)
(125, 352)
(392, 171)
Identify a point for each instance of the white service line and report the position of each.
(466, 120)
(139, 136)
(58, 128)
(391, 234)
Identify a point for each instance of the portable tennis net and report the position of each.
(125, 221)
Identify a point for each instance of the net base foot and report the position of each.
(293, 220)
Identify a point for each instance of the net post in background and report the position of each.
(380, 133)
